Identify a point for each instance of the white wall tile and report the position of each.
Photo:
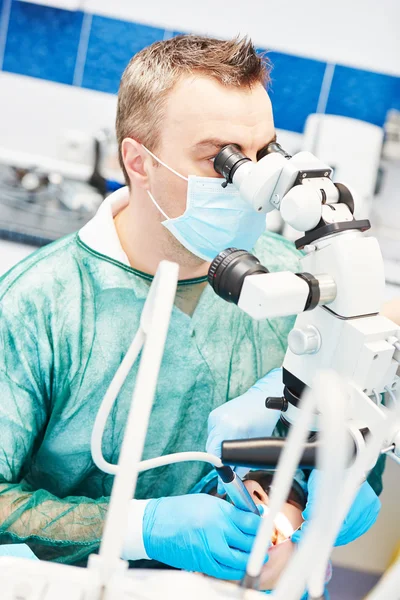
(34, 113)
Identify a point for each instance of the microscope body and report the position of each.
(347, 335)
(337, 296)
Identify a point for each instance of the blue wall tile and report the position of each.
(1, 28)
(294, 89)
(363, 94)
(42, 42)
(1, 11)
(396, 98)
(112, 44)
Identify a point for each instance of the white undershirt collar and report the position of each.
(100, 233)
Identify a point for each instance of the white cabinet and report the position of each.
(11, 253)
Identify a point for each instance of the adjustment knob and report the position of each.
(304, 341)
(276, 403)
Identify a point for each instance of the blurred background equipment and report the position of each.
(37, 207)
(353, 149)
(386, 210)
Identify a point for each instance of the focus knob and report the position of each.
(274, 403)
(304, 341)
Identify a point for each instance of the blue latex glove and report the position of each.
(304, 596)
(199, 533)
(18, 551)
(245, 416)
(361, 517)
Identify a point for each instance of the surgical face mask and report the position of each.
(215, 218)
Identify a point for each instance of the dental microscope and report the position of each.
(337, 297)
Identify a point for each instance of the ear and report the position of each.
(256, 492)
(136, 161)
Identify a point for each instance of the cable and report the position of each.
(104, 412)
(377, 397)
(108, 402)
(392, 395)
(178, 457)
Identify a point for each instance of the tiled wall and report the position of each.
(91, 51)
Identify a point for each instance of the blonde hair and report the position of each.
(152, 73)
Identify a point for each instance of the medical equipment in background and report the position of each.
(38, 207)
(385, 215)
(391, 146)
(331, 138)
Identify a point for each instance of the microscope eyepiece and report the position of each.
(274, 147)
(228, 271)
(228, 160)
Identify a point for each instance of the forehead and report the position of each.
(200, 108)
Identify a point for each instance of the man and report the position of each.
(69, 313)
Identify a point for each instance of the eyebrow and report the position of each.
(217, 144)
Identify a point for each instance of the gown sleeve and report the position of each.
(66, 529)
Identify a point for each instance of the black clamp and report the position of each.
(314, 294)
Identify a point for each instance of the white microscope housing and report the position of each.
(337, 296)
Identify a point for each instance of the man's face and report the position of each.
(201, 117)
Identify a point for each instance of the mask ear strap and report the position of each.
(157, 205)
(164, 165)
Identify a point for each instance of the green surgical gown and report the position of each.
(67, 317)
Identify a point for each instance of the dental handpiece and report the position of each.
(236, 490)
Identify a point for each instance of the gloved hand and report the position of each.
(199, 533)
(245, 417)
(304, 596)
(361, 517)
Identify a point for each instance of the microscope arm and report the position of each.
(282, 294)
(264, 453)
